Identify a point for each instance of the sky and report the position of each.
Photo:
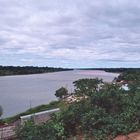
(70, 33)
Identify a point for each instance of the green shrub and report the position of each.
(46, 131)
(106, 113)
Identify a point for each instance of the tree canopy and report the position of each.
(13, 70)
(61, 92)
(107, 112)
(87, 86)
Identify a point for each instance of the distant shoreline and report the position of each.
(114, 70)
(28, 70)
(31, 70)
(31, 74)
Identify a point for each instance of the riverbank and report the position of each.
(15, 118)
(20, 92)
(26, 70)
(107, 112)
(41, 114)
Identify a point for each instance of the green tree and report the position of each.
(107, 112)
(87, 86)
(61, 93)
(47, 131)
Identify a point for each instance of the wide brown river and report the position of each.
(18, 93)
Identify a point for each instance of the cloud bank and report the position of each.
(72, 33)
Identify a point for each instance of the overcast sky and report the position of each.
(70, 33)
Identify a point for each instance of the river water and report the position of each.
(19, 93)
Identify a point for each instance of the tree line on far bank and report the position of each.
(115, 70)
(18, 70)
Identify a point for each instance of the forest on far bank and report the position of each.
(115, 70)
(19, 70)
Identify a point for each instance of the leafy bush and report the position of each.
(61, 92)
(107, 112)
(46, 131)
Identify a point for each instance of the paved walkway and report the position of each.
(7, 132)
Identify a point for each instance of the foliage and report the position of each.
(114, 70)
(61, 92)
(51, 105)
(2, 122)
(87, 86)
(107, 112)
(13, 70)
(132, 78)
(46, 131)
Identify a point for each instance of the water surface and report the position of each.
(18, 93)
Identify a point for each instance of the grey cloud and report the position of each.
(71, 31)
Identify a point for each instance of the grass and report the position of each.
(51, 105)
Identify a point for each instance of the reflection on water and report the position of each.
(18, 93)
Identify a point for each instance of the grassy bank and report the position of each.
(36, 109)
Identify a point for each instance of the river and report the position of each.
(19, 93)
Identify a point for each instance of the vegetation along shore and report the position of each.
(18, 70)
(96, 110)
